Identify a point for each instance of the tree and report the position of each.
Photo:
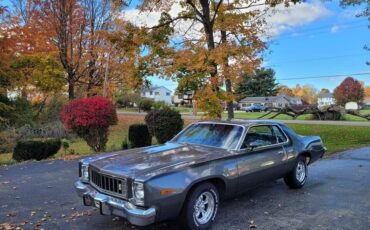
(367, 91)
(307, 93)
(261, 83)
(324, 91)
(226, 44)
(284, 90)
(349, 90)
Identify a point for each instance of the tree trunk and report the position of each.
(229, 103)
(71, 89)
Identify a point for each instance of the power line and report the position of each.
(315, 59)
(325, 76)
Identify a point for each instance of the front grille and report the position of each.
(109, 184)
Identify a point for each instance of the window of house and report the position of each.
(167, 94)
(156, 93)
(151, 92)
(180, 96)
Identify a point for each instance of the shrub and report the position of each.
(164, 124)
(139, 136)
(127, 100)
(159, 105)
(37, 149)
(90, 119)
(125, 144)
(145, 104)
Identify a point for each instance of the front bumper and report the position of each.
(109, 205)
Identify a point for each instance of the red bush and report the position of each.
(90, 119)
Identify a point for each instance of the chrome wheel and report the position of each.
(300, 172)
(204, 208)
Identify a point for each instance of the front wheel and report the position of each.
(297, 177)
(201, 207)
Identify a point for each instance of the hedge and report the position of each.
(37, 149)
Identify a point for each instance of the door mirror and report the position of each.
(254, 144)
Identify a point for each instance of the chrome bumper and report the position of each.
(112, 206)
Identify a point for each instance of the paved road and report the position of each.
(307, 122)
(336, 196)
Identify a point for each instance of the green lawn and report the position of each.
(256, 115)
(336, 138)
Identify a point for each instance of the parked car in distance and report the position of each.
(187, 176)
(255, 108)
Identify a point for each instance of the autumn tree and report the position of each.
(261, 83)
(367, 92)
(349, 90)
(284, 90)
(224, 43)
(306, 92)
(324, 91)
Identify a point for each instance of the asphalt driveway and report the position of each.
(40, 195)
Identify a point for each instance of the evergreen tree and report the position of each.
(259, 84)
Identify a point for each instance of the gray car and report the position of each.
(186, 177)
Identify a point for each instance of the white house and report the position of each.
(183, 98)
(279, 101)
(158, 93)
(325, 99)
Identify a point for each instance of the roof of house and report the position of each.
(367, 101)
(326, 95)
(267, 99)
(147, 89)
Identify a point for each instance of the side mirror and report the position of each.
(254, 144)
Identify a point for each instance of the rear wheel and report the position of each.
(297, 177)
(201, 207)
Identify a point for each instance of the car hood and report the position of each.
(148, 162)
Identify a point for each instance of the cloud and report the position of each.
(279, 20)
(284, 19)
(334, 28)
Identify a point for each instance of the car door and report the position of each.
(261, 157)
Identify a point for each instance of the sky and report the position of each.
(314, 39)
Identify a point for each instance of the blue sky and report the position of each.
(330, 44)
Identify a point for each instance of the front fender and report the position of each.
(168, 192)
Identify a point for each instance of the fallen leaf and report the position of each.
(252, 224)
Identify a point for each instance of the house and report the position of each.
(279, 101)
(366, 103)
(158, 93)
(325, 99)
(183, 98)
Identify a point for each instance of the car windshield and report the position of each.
(216, 135)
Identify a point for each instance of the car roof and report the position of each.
(242, 122)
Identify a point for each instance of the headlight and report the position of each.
(84, 172)
(138, 193)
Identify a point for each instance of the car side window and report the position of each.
(281, 138)
(261, 135)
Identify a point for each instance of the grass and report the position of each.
(256, 115)
(335, 138)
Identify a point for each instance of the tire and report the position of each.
(200, 220)
(298, 176)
